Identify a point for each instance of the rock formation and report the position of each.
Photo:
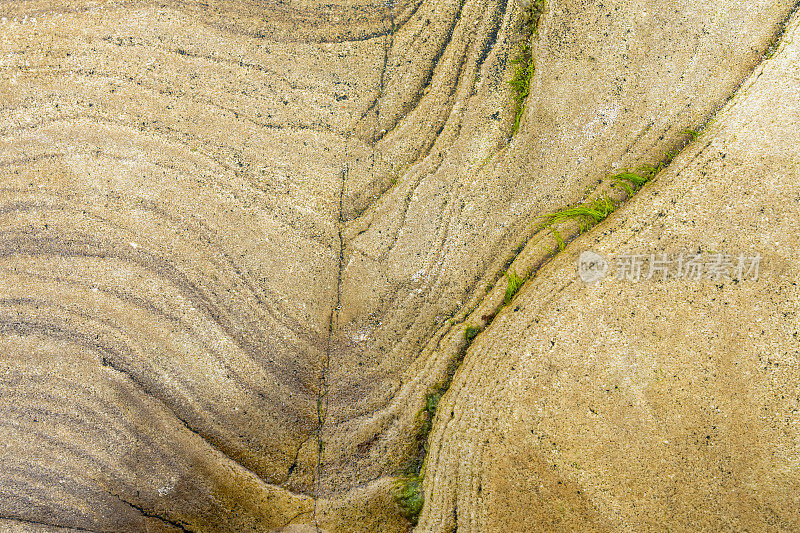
(241, 243)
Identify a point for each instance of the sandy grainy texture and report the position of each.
(239, 243)
(658, 404)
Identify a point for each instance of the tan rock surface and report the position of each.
(658, 405)
(236, 233)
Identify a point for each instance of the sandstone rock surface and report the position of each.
(649, 405)
(241, 241)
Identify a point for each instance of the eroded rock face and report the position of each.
(636, 406)
(237, 234)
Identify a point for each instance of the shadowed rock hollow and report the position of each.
(241, 242)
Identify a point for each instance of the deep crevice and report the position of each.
(180, 525)
(322, 400)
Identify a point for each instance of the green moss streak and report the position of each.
(408, 493)
(523, 72)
